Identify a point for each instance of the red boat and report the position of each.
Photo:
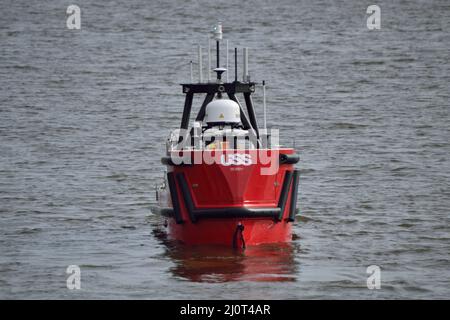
(228, 181)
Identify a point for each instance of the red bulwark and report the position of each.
(235, 183)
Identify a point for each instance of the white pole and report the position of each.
(264, 104)
(227, 60)
(192, 75)
(245, 75)
(209, 59)
(200, 67)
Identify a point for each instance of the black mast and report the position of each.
(218, 53)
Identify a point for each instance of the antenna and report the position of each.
(209, 59)
(245, 74)
(235, 65)
(264, 103)
(217, 35)
(219, 79)
(200, 67)
(226, 66)
(217, 31)
(219, 72)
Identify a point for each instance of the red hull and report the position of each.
(221, 231)
(212, 200)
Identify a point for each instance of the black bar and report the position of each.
(251, 112)
(189, 204)
(228, 213)
(237, 212)
(294, 191)
(289, 158)
(174, 196)
(244, 119)
(187, 110)
(222, 309)
(233, 87)
(168, 162)
(201, 113)
(284, 193)
(165, 212)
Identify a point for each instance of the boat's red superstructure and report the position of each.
(247, 194)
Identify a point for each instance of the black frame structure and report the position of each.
(219, 88)
(213, 89)
(290, 183)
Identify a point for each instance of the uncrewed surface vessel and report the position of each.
(228, 181)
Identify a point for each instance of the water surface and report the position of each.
(83, 117)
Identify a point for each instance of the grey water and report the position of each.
(84, 115)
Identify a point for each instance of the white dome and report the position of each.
(222, 111)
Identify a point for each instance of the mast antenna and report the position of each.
(245, 73)
(200, 67)
(264, 103)
(209, 59)
(226, 66)
(217, 35)
(235, 65)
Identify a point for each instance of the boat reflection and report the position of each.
(272, 262)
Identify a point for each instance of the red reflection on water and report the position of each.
(274, 262)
